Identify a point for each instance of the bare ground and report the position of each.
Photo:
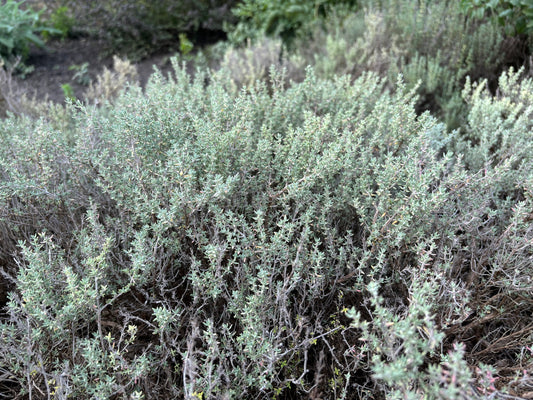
(59, 62)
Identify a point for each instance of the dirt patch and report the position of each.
(76, 62)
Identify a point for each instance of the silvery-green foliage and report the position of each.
(430, 42)
(193, 241)
(499, 127)
(398, 342)
(497, 146)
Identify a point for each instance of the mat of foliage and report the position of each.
(313, 241)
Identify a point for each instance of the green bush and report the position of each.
(284, 19)
(61, 22)
(516, 16)
(429, 42)
(18, 28)
(192, 241)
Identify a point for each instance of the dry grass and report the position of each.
(110, 83)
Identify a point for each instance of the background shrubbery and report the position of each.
(141, 27)
(19, 28)
(285, 19)
(516, 16)
(242, 234)
(432, 44)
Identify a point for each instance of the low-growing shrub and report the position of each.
(430, 42)
(319, 240)
(109, 84)
(245, 65)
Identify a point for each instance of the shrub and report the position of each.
(429, 42)
(61, 22)
(9, 93)
(247, 64)
(18, 28)
(283, 19)
(516, 16)
(498, 227)
(191, 241)
(109, 84)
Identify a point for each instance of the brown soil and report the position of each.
(54, 66)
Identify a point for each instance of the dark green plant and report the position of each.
(18, 29)
(61, 22)
(286, 19)
(68, 92)
(516, 16)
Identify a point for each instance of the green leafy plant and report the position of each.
(82, 73)
(18, 28)
(516, 16)
(68, 91)
(186, 45)
(284, 19)
(61, 23)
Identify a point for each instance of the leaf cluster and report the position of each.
(284, 19)
(18, 28)
(516, 16)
